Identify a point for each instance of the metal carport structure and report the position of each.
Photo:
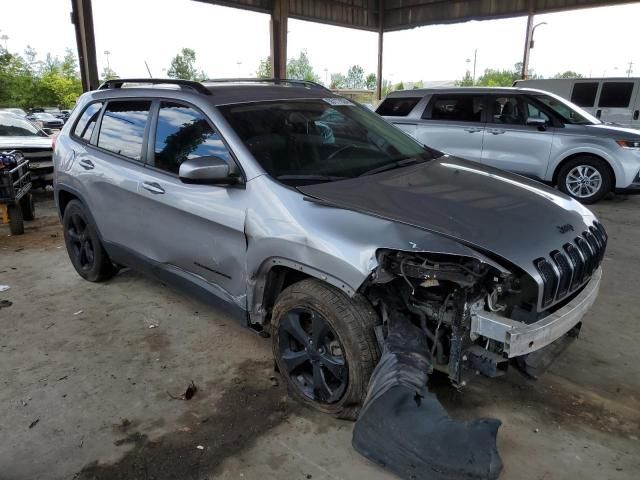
(379, 16)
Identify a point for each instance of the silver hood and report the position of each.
(490, 210)
(16, 143)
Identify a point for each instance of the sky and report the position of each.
(230, 42)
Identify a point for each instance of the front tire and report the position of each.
(28, 207)
(16, 220)
(585, 178)
(325, 347)
(83, 245)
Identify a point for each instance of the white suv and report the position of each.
(530, 132)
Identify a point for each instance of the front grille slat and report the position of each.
(549, 279)
(566, 270)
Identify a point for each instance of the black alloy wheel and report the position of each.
(313, 355)
(80, 242)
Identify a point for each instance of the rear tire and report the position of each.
(349, 342)
(83, 245)
(16, 220)
(587, 179)
(28, 207)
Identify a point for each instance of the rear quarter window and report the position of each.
(87, 121)
(397, 106)
(615, 94)
(584, 94)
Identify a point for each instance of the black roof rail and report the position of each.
(191, 84)
(276, 81)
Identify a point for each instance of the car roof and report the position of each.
(421, 92)
(218, 92)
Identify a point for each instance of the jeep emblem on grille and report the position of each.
(565, 228)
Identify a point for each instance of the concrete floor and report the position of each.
(88, 371)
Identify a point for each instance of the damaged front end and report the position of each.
(465, 317)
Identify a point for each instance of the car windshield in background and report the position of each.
(13, 126)
(569, 113)
(301, 142)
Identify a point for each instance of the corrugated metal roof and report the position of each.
(404, 14)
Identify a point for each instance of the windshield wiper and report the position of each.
(312, 178)
(392, 165)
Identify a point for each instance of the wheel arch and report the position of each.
(274, 275)
(570, 157)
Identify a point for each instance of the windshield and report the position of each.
(12, 126)
(312, 141)
(44, 116)
(569, 112)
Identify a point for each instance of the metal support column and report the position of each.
(380, 45)
(527, 46)
(278, 29)
(82, 19)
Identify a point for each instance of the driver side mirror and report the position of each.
(209, 170)
(541, 123)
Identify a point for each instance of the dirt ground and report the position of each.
(89, 375)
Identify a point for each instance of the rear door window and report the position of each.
(87, 121)
(615, 94)
(397, 106)
(455, 108)
(183, 133)
(123, 126)
(584, 94)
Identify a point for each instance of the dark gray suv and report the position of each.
(317, 222)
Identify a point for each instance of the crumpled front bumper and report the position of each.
(521, 338)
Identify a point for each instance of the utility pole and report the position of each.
(4, 38)
(528, 44)
(475, 59)
(630, 69)
(107, 53)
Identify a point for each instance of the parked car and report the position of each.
(16, 111)
(312, 218)
(529, 132)
(19, 134)
(47, 120)
(612, 100)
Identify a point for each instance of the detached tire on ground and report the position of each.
(587, 179)
(16, 220)
(325, 346)
(28, 207)
(83, 245)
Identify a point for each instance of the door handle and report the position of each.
(153, 187)
(495, 131)
(473, 130)
(636, 114)
(87, 164)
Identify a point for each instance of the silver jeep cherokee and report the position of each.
(318, 223)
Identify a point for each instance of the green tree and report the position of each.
(418, 84)
(108, 74)
(371, 81)
(568, 74)
(28, 82)
(300, 68)
(264, 68)
(355, 77)
(387, 88)
(467, 80)
(183, 66)
(338, 81)
(399, 86)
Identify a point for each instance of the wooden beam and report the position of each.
(278, 29)
(380, 45)
(82, 19)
